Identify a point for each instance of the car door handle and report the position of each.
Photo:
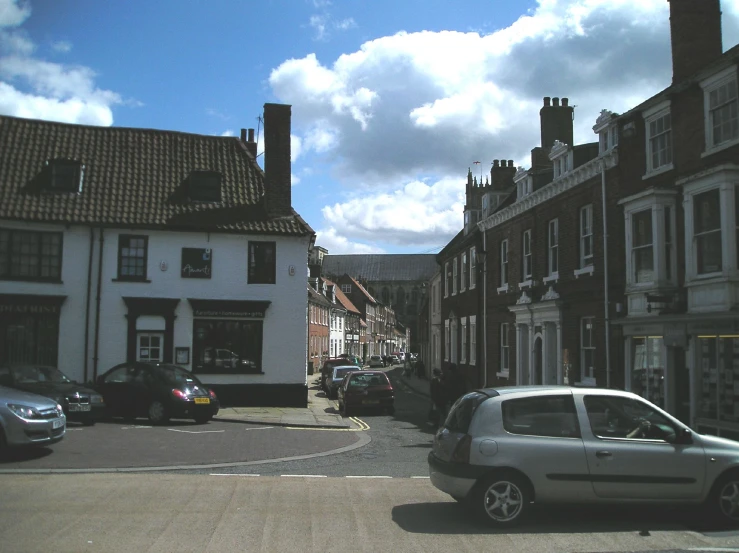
(603, 454)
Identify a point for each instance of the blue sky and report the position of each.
(392, 100)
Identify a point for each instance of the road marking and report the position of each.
(196, 431)
(73, 429)
(134, 427)
(363, 426)
(304, 475)
(420, 477)
(229, 474)
(260, 428)
(368, 477)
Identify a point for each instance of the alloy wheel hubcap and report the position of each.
(156, 411)
(729, 500)
(503, 501)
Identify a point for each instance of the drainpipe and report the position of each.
(87, 304)
(605, 274)
(485, 310)
(97, 308)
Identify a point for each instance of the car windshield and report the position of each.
(340, 372)
(28, 375)
(172, 374)
(370, 379)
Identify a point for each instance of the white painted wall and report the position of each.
(285, 325)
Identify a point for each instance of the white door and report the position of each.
(150, 346)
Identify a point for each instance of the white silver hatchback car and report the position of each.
(501, 449)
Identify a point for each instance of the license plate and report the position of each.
(58, 423)
(79, 407)
(204, 400)
(371, 401)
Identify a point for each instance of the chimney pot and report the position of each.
(243, 135)
(251, 135)
(547, 101)
(277, 166)
(496, 163)
(565, 102)
(695, 34)
(555, 102)
(510, 163)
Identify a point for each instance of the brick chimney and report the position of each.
(277, 168)
(556, 122)
(248, 140)
(695, 33)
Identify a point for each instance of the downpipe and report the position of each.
(95, 358)
(605, 274)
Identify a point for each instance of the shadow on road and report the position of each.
(454, 518)
(414, 408)
(18, 455)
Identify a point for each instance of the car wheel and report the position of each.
(3, 442)
(157, 413)
(502, 499)
(202, 419)
(723, 503)
(344, 410)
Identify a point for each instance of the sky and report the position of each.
(392, 100)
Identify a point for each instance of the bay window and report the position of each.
(641, 247)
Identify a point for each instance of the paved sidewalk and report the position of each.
(320, 413)
(418, 385)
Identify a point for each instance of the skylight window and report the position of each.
(65, 175)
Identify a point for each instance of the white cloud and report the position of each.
(294, 179)
(62, 46)
(324, 23)
(336, 243)
(35, 88)
(420, 107)
(345, 24)
(227, 132)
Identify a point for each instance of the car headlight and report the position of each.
(59, 410)
(25, 411)
(96, 399)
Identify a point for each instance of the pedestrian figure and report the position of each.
(439, 398)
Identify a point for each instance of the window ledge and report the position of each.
(503, 289)
(33, 279)
(584, 271)
(723, 146)
(139, 280)
(655, 172)
(472, 286)
(525, 284)
(503, 374)
(554, 277)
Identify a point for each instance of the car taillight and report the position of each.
(462, 451)
(179, 394)
(212, 394)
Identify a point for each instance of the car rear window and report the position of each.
(460, 416)
(364, 380)
(551, 416)
(341, 373)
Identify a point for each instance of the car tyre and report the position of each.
(722, 505)
(344, 410)
(157, 413)
(501, 500)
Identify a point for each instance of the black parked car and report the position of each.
(79, 403)
(158, 391)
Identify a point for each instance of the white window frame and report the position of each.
(463, 354)
(455, 275)
(463, 276)
(586, 235)
(447, 279)
(553, 249)
(527, 258)
(636, 250)
(447, 340)
(709, 85)
(503, 265)
(662, 204)
(587, 374)
(653, 115)
(346, 288)
(473, 268)
(140, 347)
(473, 339)
(505, 350)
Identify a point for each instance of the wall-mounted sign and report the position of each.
(229, 308)
(26, 303)
(196, 262)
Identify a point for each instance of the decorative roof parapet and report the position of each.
(558, 149)
(604, 119)
(577, 176)
(521, 173)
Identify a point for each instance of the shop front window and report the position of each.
(648, 369)
(227, 346)
(718, 363)
(29, 339)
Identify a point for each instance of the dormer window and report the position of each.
(65, 175)
(204, 186)
(606, 127)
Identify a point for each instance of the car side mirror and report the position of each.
(683, 436)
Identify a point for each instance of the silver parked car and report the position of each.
(501, 449)
(29, 419)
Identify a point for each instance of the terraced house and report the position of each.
(124, 244)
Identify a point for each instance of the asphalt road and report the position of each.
(201, 513)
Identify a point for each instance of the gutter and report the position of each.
(97, 308)
(605, 274)
(87, 304)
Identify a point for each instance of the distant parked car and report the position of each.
(394, 360)
(29, 419)
(366, 390)
(351, 359)
(79, 403)
(375, 361)
(159, 391)
(500, 449)
(337, 376)
(327, 368)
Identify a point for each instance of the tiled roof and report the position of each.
(381, 267)
(133, 177)
(320, 299)
(363, 290)
(341, 296)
